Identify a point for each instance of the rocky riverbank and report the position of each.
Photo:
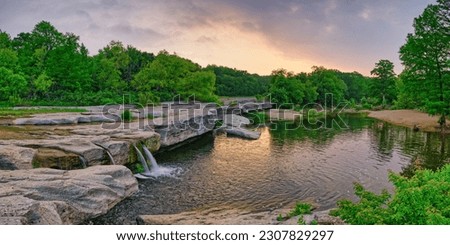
(233, 216)
(50, 196)
(51, 165)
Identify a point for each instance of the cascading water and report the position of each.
(83, 161)
(146, 173)
(111, 158)
(156, 170)
(150, 157)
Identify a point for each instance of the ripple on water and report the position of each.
(280, 168)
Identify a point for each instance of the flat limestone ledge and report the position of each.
(64, 118)
(61, 147)
(54, 197)
(182, 129)
(233, 216)
(213, 216)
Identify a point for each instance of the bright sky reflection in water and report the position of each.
(282, 167)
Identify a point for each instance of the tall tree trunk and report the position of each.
(442, 120)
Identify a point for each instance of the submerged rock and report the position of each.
(49, 196)
(242, 132)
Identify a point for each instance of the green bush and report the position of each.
(126, 116)
(300, 209)
(233, 103)
(423, 199)
(257, 118)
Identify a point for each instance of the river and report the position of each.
(287, 164)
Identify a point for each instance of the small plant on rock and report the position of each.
(126, 116)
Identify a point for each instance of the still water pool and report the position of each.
(287, 164)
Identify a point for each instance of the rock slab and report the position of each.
(16, 157)
(243, 133)
(233, 216)
(54, 197)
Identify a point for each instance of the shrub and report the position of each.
(126, 116)
(423, 199)
(233, 103)
(257, 118)
(300, 209)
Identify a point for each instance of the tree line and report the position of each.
(47, 67)
(423, 84)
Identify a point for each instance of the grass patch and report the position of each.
(11, 112)
(136, 168)
(300, 209)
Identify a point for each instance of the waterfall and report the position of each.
(150, 157)
(156, 171)
(83, 161)
(111, 158)
(143, 162)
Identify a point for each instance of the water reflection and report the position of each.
(433, 154)
(284, 166)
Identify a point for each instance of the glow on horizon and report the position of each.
(257, 36)
(229, 46)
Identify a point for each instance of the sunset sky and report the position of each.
(258, 36)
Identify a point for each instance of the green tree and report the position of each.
(426, 58)
(383, 84)
(170, 75)
(106, 75)
(357, 85)
(12, 86)
(49, 58)
(8, 58)
(200, 85)
(327, 82)
(69, 66)
(288, 88)
(5, 40)
(233, 82)
(138, 60)
(33, 48)
(43, 83)
(112, 65)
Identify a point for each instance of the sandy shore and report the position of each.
(410, 118)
